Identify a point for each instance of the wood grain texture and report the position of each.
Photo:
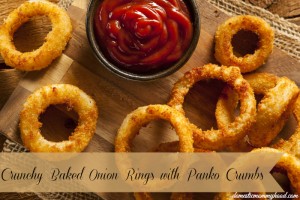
(8, 82)
(288, 9)
(116, 97)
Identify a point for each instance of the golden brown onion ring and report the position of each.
(272, 112)
(55, 41)
(292, 145)
(141, 117)
(261, 83)
(223, 46)
(218, 139)
(55, 94)
(287, 163)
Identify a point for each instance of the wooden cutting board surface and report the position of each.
(116, 97)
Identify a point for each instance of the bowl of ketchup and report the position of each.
(143, 39)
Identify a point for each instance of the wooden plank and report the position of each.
(49, 75)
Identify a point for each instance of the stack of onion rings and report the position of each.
(55, 41)
(272, 112)
(218, 139)
(280, 90)
(280, 95)
(74, 98)
(224, 50)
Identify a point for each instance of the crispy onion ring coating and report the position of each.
(292, 145)
(54, 94)
(143, 115)
(55, 41)
(223, 47)
(287, 163)
(291, 165)
(218, 139)
(272, 111)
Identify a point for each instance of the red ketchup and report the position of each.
(143, 35)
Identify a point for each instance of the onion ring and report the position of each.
(218, 139)
(142, 116)
(37, 103)
(55, 41)
(287, 163)
(291, 165)
(272, 112)
(292, 145)
(224, 50)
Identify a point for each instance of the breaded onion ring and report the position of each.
(54, 94)
(223, 46)
(143, 115)
(290, 165)
(292, 145)
(55, 41)
(272, 111)
(218, 139)
(287, 163)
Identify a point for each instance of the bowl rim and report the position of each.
(91, 10)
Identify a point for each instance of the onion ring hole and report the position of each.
(244, 42)
(150, 136)
(31, 35)
(206, 91)
(59, 122)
